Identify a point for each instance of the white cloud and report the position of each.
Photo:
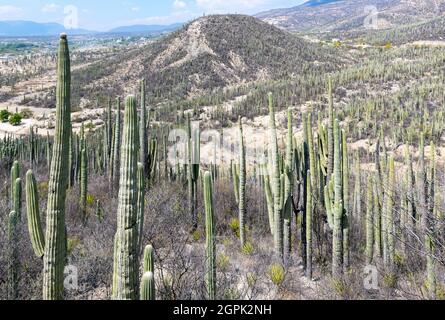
(135, 9)
(50, 7)
(231, 5)
(8, 12)
(179, 4)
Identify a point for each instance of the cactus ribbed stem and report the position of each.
(83, 183)
(148, 263)
(117, 144)
(369, 220)
(276, 178)
(18, 198)
(242, 186)
(33, 214)
(15, 174)
(55, 237)
(309, 213)
(140, 204)
(143, 138)
(13, 259)
(210, 237)
(148, 286)
(337, 239)
(125, 271)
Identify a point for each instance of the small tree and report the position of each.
(4, 115)
(15, 119)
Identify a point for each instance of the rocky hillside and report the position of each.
(348, 15)
(210, 52)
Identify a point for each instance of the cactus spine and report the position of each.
(210, 237)
(125, 269)
(33, 214)
(242, 186)
(54, 257)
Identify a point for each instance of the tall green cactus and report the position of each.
(83, 183)
(117, 144)
(125, 269)
(276, 177)
(210, 237)
(242, 186)
(309, 213)
(13, 259)
(334, 204)
(369, 220)
(345, 185)
(15, 173)
(54, 257)
(33, 214)
(330, 168)
(388, 217)
(143, 138)
(140, 204)
(18, 199)
(288, 187)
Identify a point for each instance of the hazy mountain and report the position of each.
(347, 15)
(19, 28)
(146, 28)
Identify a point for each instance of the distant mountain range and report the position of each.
(352, 15)
(146, 28)
(20, 28)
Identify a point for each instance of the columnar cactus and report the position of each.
(13, 260)
(83, 183)
(117, 144)
(309, 213)
(345, 185)
(276, 177)
(288, 187)
(330, 131)
(143, 138)
(54, 257)
(377, 219)
(210, 237)
(388, 218)
(369, 220)
(334, 205)
(33, 214)
(242, 186)
(140, 204)
(15, 173)
(18, 198)
(125, 269)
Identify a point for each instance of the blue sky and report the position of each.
(103, 15)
